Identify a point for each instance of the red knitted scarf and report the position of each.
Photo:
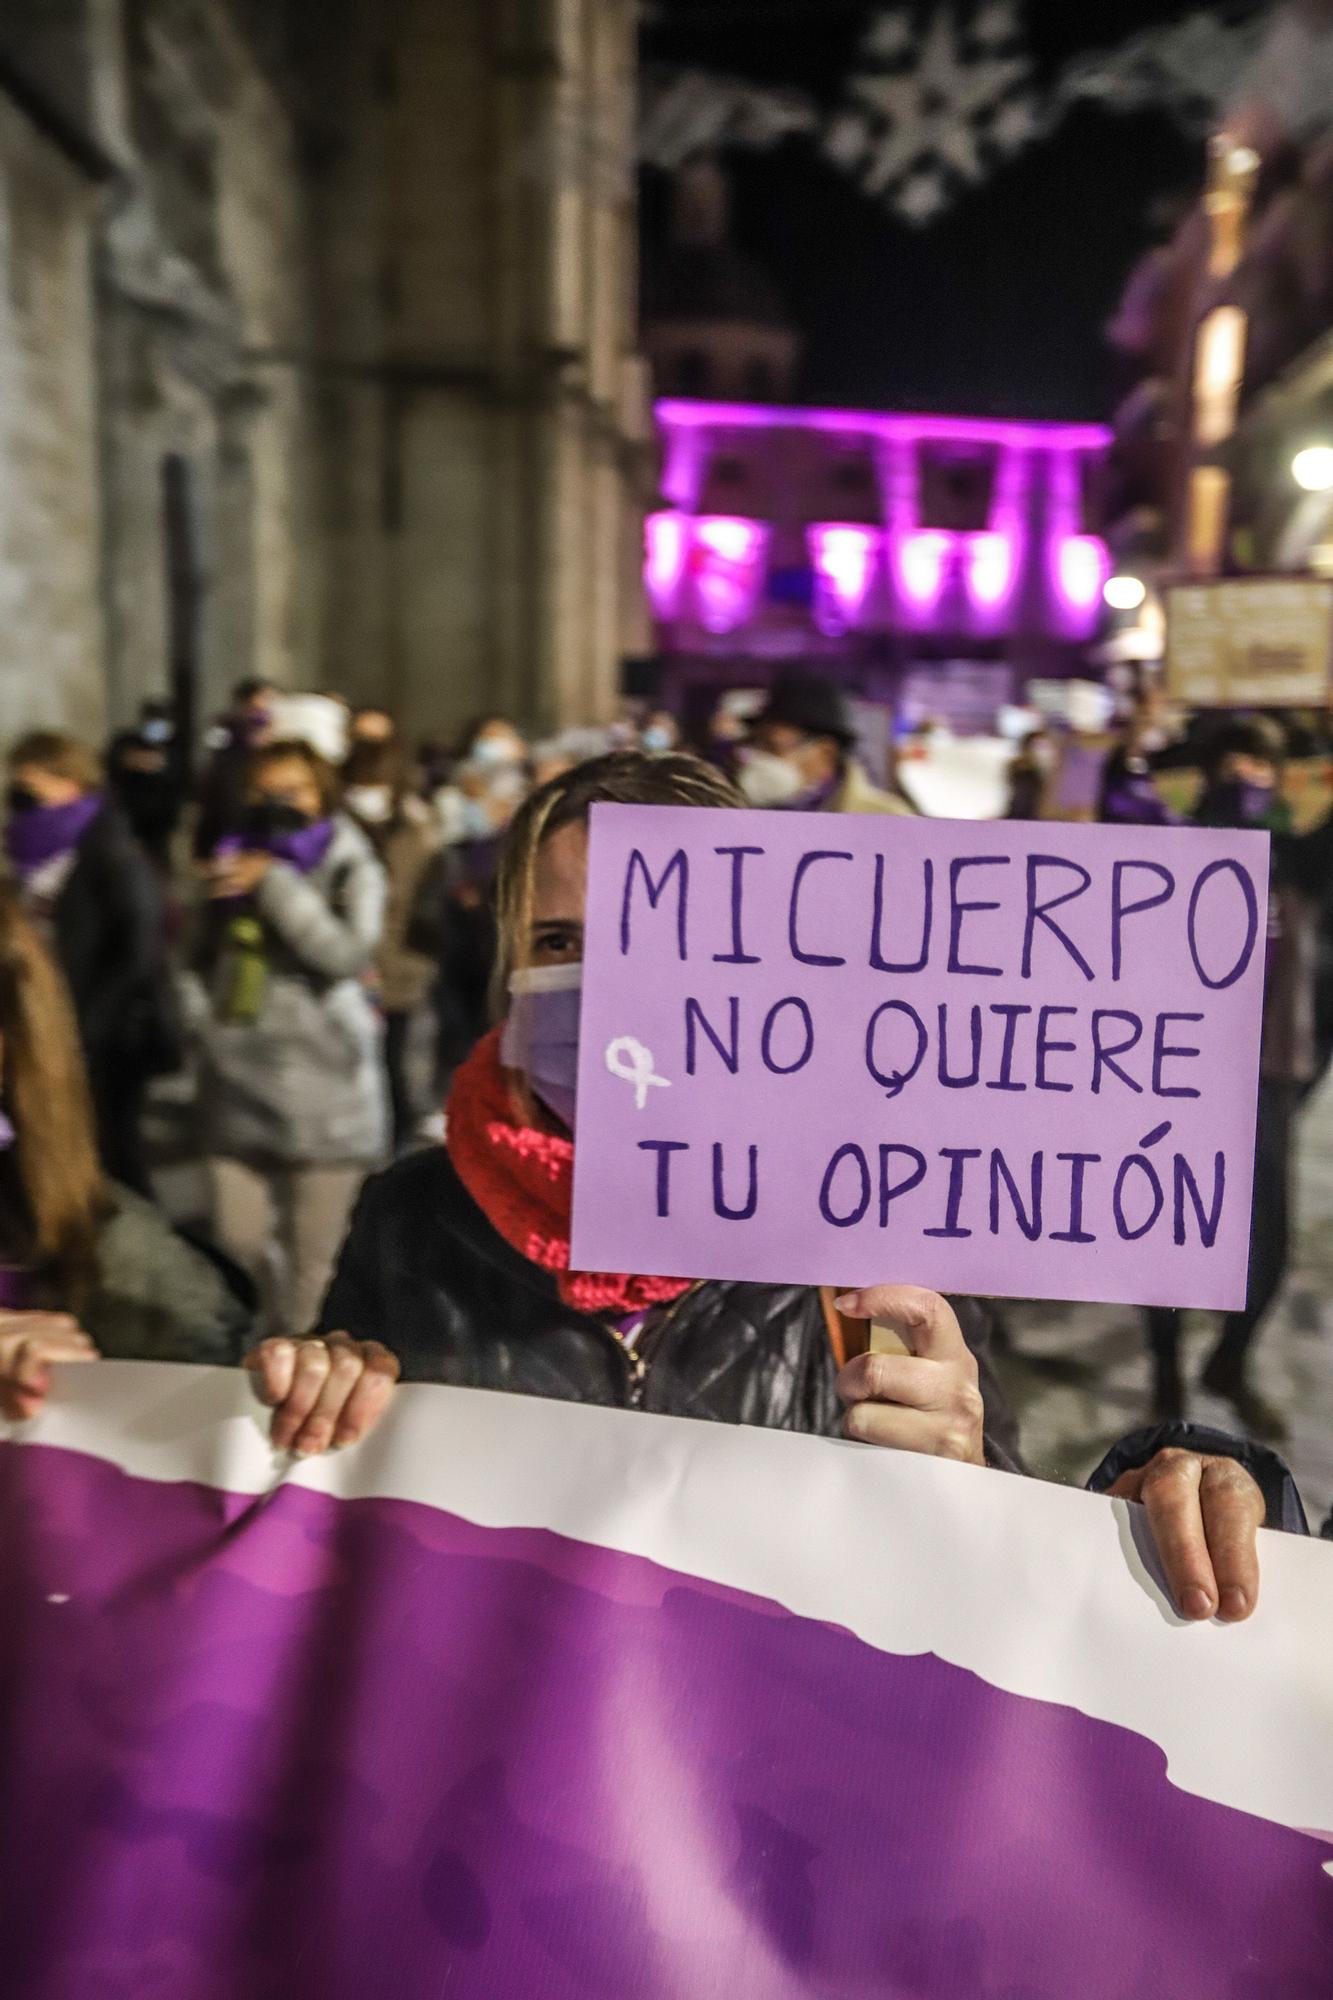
(522, 1180)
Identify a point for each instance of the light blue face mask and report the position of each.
(474, 822)
(541, 1034)
(495, 752)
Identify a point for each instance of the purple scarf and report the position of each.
(43, 833)
(302, 850)
(305, 849)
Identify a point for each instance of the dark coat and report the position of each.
(156, 1297)
(110, 941)
(424, 1271)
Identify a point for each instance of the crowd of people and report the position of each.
(335, 933)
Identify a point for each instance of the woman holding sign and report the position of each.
(458, 1260)
(456, 1269)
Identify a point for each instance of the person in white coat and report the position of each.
(292, 1096)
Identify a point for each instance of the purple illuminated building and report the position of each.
(900, 553)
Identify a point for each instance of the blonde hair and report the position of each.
(626, 778)
(59, 1179)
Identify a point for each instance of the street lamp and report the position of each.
(1125, 593)
(1312, 469)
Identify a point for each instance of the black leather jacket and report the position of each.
(424, 1271)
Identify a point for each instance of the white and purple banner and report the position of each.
(526, 1701)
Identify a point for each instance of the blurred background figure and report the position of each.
(95, 898)
(405, 835)
(551, 758)
(371, 724)
(728, 728)
(660, 733)
(72, 1242)
(292, 1104)
(798, 753)
(431, 767)
(487, 784)
(452, 922)
(247, 723)
(323, 722)
(1242, 763)
(1030, 776)
(1128, 796)
(146, 777)
(1242, 779)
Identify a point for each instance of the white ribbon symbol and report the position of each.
(633, 1063)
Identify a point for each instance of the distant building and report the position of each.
(1225, 333)
(935, 562)
(714, 322)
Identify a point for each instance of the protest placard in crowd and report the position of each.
(1250, 642)
(1002, 1059)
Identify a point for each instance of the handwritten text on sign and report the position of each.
(1013, 1059)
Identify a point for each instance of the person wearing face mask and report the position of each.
(97, 902)
(660, 733)
(145, 776)
(405, 836)
(488, 782)
(292, 1102)
(85, 1264)
(1127, 795)
(452, 921)
(1242, 762)
(457, 1269)
(799, 753)
(231, 741)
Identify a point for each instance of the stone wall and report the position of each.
(51, 658)
(481, 302)
(363, 304)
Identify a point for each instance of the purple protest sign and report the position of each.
(1000, 1059)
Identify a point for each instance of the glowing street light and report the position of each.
(1312, 469)
(1125, 593)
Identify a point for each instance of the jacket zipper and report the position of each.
(636, 1362)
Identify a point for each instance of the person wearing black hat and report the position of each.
(799, 754)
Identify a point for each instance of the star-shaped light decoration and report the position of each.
(934, 110)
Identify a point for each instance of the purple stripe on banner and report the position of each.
(299, 1747)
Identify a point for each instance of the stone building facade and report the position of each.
(317, 355)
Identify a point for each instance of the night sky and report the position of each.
(999, 306)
